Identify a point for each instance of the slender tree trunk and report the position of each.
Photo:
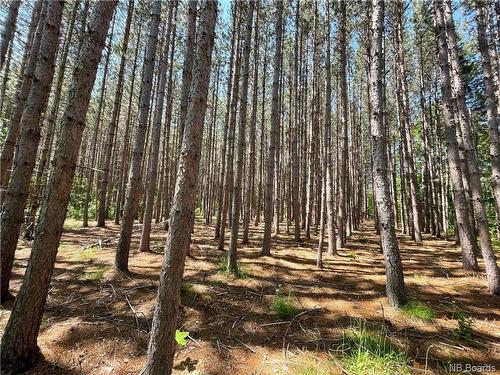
(342, 196)
(125, 149)
(9, 29)
(27, 146)
(21, 97)
(405, 122)
(491, 103)
(233, 243)
(161, 343)
(115, 115)
(275, 123)
(250, 186)
(155, 136)
(19, 348)
(134, 179)
(492, 271)
(460, 202)
(330, 211)
(395, 287)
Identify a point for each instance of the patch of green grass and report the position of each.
(283, 305)
(97, 274)
(188, 290)
(218, 283)
(87, 254)
(70, 224)
(369, 351)
(419, 311)
(312, 367)
(222, 269)
(363, 239)
(465, 329)
(495, 244)
(352, 255)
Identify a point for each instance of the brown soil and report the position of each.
(96, 321)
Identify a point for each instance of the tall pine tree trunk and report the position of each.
(275, 123)
(134, 180)
(19, 348)
(27, 145)
(161, 343)
(395, 287)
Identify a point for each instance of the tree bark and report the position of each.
(27, 146)
(342, 196)
(395, 287)
(460, 201)
(115, 115)
(9, 29)
(492, 271)
(135, 177)
(233, 242)
(144, 244)
(491, 103)
(275, 123)
(21, 97)
(19, 348)
(161, 343)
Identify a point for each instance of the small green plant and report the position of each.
(97, 275)
(465, 329)
(180, 337)
(369, 351)
(362, 239)
(419, 311)
(352, 255)
(222, 269)
(283, 305)
(218, 283)
(188, 290)
(87, 254)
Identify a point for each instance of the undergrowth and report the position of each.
(222, 269)
(419, 311)
(283, 305)
(369, 351)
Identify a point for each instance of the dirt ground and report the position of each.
(97, 322)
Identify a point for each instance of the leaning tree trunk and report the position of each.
(491, 105)
(115, 115)
(8, 31)
(464, 225)
(235, 223)
(161, 343)
(395, 287)
(19, 348)
(134, 180)
(275, 123)
(21, 97)
(27, 145)
(492, 271)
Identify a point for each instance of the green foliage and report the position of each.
(369, 351)
(419, 311)
(222, 269)
(218, 283)
(188, 290)
(180, 337)
(87, 254)
(283, 305)
(352, 255)
(97, 274)
(465, 329)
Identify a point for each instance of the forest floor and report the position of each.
(97, 322)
